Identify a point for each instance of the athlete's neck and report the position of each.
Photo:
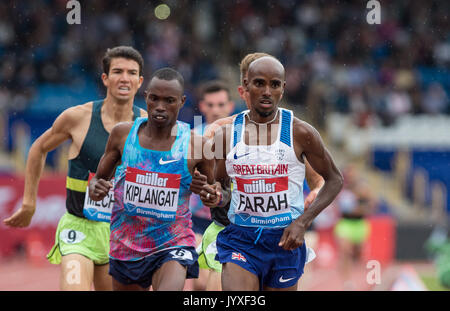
(118, 111)
(257, 118)
(161, 132)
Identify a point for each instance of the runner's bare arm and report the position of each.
(100, 184)
(198, 180)
(219, 147)
(206, 164)
(308, 142)
(49, 140)
(224, 183)
(204, 170)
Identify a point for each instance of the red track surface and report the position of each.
(20, 275)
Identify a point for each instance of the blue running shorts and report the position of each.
(141, 271)
(257, 251)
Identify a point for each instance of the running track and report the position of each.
(20, 275)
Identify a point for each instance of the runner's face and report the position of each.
(215, 106)
(123, 80)
(265, 86)
(164, 100)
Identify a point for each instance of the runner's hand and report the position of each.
(22, 217)
(293, 236)
(99, 188)
(198, 181)
(210, 194)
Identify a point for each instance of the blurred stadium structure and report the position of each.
(379, 95)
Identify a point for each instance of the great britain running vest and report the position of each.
(151, 198)
(85, 165)
(267, 180)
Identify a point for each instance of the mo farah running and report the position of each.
(207, 250)
(262, 153)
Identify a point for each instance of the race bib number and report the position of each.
(98, 210)
(263, 202)
(70, 236)
(151, 194)
(182, 254)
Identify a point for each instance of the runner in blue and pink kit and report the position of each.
(152, 242)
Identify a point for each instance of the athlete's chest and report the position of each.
(269, 161)
(155, 143)
(89, 140)
(260, 135)
(78, 135)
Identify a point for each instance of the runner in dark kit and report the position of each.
(82, 235)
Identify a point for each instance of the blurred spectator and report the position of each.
(435, 99)
(355, 203)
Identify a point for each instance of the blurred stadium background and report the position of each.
(379, 95)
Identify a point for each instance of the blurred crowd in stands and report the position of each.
(335, 60)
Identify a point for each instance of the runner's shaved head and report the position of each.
(266, 63)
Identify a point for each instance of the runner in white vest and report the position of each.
(263, 154)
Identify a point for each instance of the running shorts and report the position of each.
(353, 230)
(76, 235)
(258, 252)
(207, 249)
(141, 271)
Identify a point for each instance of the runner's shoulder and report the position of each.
(224, 121)
(305, 134)
(78, 112)
(302, 128)
(71, 118)
(122, 128)
(219, 124)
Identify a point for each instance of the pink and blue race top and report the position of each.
(151, 193)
